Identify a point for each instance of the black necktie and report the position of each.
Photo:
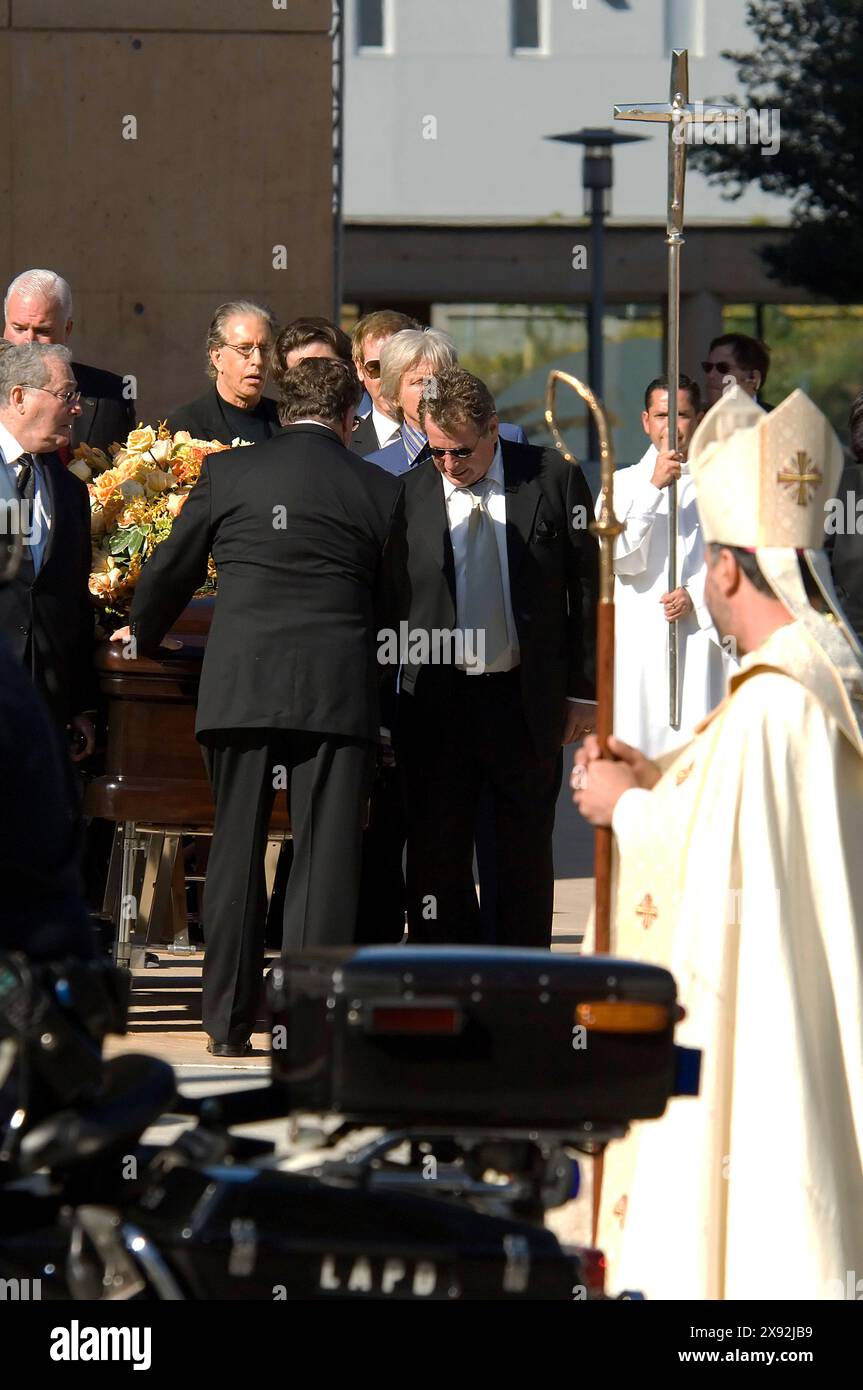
(25, 483)
(25, 486)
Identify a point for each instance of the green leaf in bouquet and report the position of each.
(119, 541)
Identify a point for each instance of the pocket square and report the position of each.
(545, 530)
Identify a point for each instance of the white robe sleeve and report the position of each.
(631, 547)
(635, 503)
(701, 613)
(630, 815)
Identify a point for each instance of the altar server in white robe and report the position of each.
(644, 605)
(739, 867)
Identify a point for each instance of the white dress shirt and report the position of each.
(459, 503)
(386, 428)
(36, 527)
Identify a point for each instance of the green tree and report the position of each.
(808, 65)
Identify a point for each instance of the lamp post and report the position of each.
(597, 180)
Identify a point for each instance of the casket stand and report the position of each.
(155, 788)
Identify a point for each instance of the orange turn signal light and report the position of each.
(620, 1016)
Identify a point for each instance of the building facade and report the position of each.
(164, 156)
(458, 207)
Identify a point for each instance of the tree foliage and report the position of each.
(809, 65)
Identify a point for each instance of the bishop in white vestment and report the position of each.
(740, 868)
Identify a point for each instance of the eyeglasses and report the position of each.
(723, 368)
(246, 349)
(373, 368)
(454, 453)
(67, 397)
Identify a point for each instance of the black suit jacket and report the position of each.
(297, 528)
(553, 575)
(846, 548)
(56, 608)
(365, 437)
(106, 417)
(42, 910)
(204, 418)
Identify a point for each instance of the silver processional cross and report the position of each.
(679, 114)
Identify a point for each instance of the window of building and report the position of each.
(372, 24)
(528, 26)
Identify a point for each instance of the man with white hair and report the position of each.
(38, 309)
(45, 611)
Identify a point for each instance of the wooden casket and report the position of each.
(154, 787)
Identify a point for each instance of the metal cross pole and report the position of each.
(679, 115)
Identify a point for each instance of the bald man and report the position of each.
(38, 309)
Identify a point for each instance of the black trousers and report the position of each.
(458, 737)
(381, 908)
(327, 784)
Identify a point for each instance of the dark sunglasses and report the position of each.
(373, 368)
(454, 453)
(723, 368)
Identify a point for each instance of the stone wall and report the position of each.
(155, 152)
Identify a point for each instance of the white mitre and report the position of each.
(762, 483)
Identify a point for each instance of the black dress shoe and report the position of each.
(228, 1049)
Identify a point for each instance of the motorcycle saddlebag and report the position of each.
(263, 1234)
(463, 1035)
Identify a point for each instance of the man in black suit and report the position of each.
(845, 525)
(289, 686)
(45, 611)
(736, 359)
(490, 543)
(239, 345)
(38, 308)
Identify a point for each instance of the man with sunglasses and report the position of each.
(494, 575)
(735, 359)
(45, 611)
(379, 427)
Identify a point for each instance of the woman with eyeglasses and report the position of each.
(239, 348)
(408, 362)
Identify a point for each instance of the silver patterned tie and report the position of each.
(483, 608)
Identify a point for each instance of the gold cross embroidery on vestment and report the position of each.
(805, 477)
(646, 911)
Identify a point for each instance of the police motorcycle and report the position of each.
(437, 1103)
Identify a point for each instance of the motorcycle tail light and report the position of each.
(439, 1019)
